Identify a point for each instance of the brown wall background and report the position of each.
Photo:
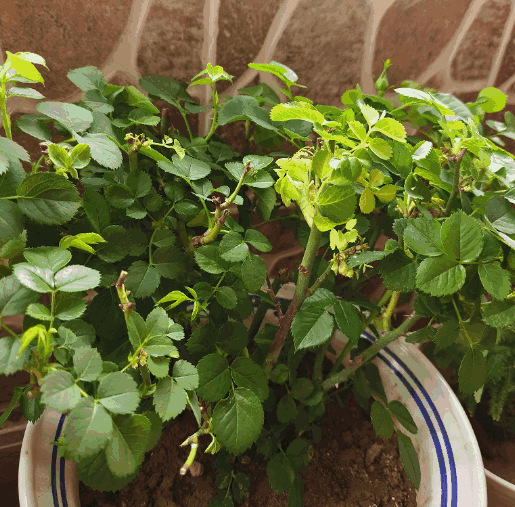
(457, 46)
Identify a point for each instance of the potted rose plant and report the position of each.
(140, 213)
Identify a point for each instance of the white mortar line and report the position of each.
(378, 8)
(508, 27)
(275, 32)
(443, 62)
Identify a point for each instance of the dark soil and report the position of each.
(351, 467)
(497, 439)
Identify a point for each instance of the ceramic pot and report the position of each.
(451, 464)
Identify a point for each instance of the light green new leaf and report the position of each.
(59, 156)
(170, 398)
(24, 67)
(495, 280)
(80, 156)
(367, 201)
(48, 198)
(358, 129)
(126, 447)
(238, 420)
(337, 203)
(370, 114)
(76, 278)
(296, 111)
(392, 129)
(440, 277)
(60, 391)
(496, 99)
(88, 428)
(381, 148)
(118, 392)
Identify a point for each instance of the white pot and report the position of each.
(501, 493)
(451, 464)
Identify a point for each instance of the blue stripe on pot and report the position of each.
(53, 469)
(427, 418)
(412, 390)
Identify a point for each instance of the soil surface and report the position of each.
(351, 467)
(497, 440)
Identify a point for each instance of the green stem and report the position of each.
(231, 198)
(320, 280)
(52, 309)
(319, 359)
(214, 125)
(300, 293)
(387, 317)
(8, 329)
(455, 184)
(164, 124)
(187, 124)
(341, 357)
(133, 161)
(191, 456)
(6, 120)
(150, 263)
(371, 352)
(375, 313)
(261, 311)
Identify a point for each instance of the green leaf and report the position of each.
(258, 240)
(253, 272)
(233, 337)
(238, 420)
(312, 325)
(159, 366)
(499, 314)
(103, 150)
(367, 201)
(245, 108)
(386, 193)
(246, 373)
(214, 377)
(226, 297)
(447, 334)
(37, 279)
(462, 237)
(69, 306)
(142, 280)
(370, 114)
(80, 156)
(232, 247)
(455, 105)
(500, 214)
(189, 168)
(136, 98)
(87, 363)
(70, 116)
(24, 68)
(185, 374)
(170, 398)
(59, 156)
(125, 449)
(296, 111)
(76, 278)
(266, 201)
(87, 78)
(31, 124)
(118, 392)
(440, 277)
(119, 244)
(381, 148)
(472, 372)
(337, 203)
(280, 473)
(495, 280)
(47, 257)
(422, 235)
(402, 415)
(392, 129)
(358, 129)
(11, 221)
(14, 297)
(399, 272)
(88, 428)
(381, 420)
(208, 259)
(496, 99)
(31, 408)
(348, 320)
(60, 391)
(96, 209)
(48, 198)
(11, 360)
(409, 458)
